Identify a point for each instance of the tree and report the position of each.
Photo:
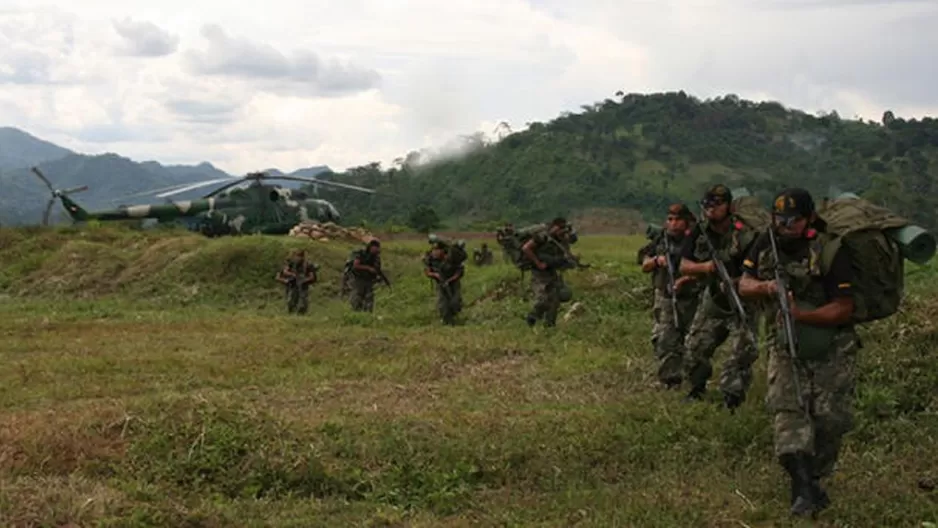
(423, 219)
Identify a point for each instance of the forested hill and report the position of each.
(642, 152)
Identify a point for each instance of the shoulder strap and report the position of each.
(830, 245)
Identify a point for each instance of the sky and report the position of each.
(297, 83)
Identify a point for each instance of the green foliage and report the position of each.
(424, 219)
(643, 152)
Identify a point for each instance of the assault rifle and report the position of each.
(572, 260)
(383, 277)
(671, 280)
(730, 287)
(787, 320)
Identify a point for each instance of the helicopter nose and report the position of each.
(274, 196)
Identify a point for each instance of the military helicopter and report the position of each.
(257, 208)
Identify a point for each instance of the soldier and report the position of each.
(672, 319)
(505, 238)
(345, 286)
(482, 257)
(807, 440)
(366, 270)
(644, 252)
(448, 275)
(548, 252)
(717, 318)
(297, 275)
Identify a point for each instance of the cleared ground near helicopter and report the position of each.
(152, 379)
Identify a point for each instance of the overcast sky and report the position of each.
(289, 84)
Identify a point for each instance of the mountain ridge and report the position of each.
(642, 152)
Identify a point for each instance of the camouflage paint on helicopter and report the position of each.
(258, 208)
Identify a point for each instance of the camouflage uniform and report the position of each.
(505, 238)
(345, 286)
(657, 327)
(483, 256)
(716, 318)
(670, 337)
(298, 289)
(548, 285)
(826, 365)
(448, 297)
(362, 297)
(294, 276)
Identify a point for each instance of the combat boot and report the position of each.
(696, 393)
(804, 494)
(732, 401)
(823, 500)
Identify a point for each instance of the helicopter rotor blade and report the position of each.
(74, 190)
(198, 185)
(45, 216)
(152, 191)
(43, 178)
(227, 186)
(327, 183)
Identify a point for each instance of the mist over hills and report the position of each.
(640, 152)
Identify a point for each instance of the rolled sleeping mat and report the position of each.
(918, 245)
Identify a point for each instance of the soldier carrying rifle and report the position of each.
(676, 295)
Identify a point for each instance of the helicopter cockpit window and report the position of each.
(274, 196)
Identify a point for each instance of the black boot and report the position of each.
(804, 499)
(695, 394)
(823, 500)
(732, 401)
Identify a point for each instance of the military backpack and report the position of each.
(521, 236)
(869, 234)
(752, 213)
(455, 250)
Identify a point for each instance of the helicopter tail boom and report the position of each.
(73, 209)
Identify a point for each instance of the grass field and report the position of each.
(154, 379)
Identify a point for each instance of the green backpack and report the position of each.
(748, 209)
(518, 239)
(455, 250)
(877, 242)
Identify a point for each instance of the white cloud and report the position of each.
(145, 39)
(291, 83)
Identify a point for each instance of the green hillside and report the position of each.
(644, 151)
(153, 379)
